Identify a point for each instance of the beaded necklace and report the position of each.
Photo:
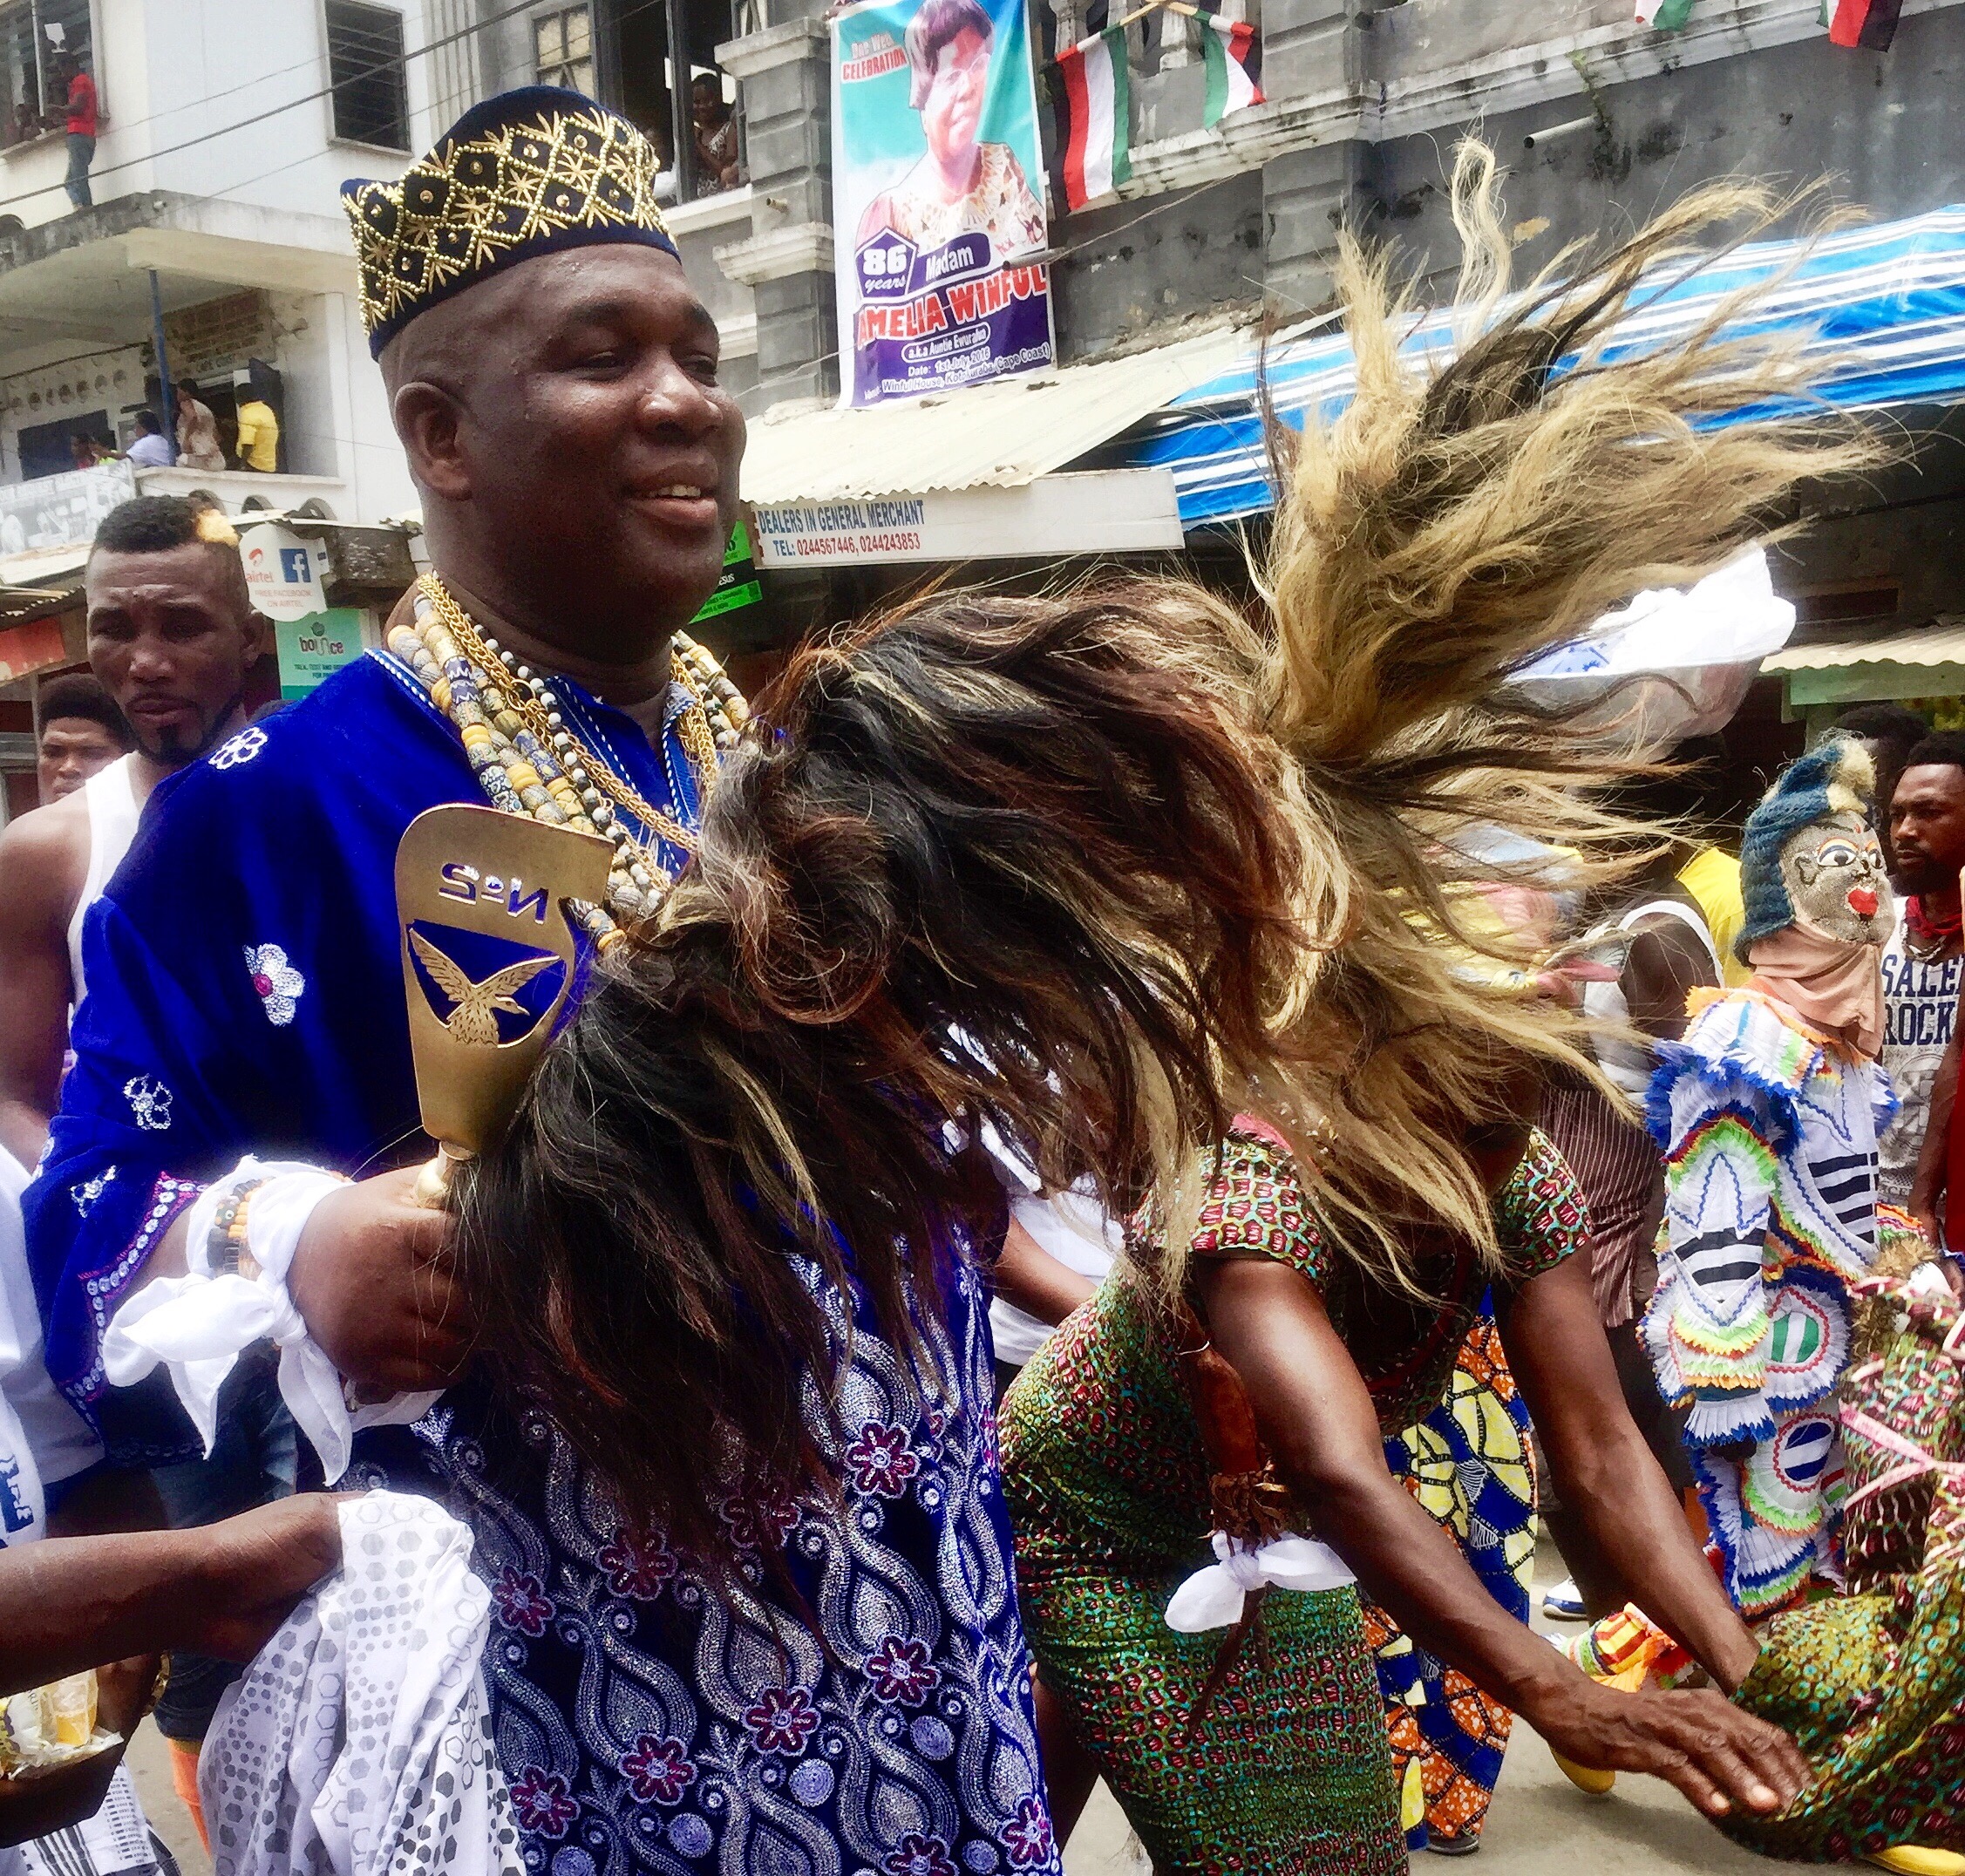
(528, 762)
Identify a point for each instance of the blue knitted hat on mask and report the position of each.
(1837, 777)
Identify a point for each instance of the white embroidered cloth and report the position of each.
(1216, 1594)
(356, 1744)
(197, 1325)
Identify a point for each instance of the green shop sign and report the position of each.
(738, 587)
(313, 647)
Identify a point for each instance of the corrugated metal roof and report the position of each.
(1940, 643)
(1002, 434)
(20, 604)
(1879, 313)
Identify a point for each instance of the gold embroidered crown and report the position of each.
(524, 174)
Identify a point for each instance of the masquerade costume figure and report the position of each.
(1242, 1376)
(1768, 1112)
(1870, 1682)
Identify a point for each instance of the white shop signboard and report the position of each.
(1112, 511)
(286, 576)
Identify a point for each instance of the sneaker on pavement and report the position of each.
(1562, 1602)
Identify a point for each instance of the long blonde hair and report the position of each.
(1447, 527)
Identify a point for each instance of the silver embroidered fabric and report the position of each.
(356, 1744)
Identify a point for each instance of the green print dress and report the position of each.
(1871, 1684)
(1291, 1771)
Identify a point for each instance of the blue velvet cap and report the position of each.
(1836, 777)
(527, 173)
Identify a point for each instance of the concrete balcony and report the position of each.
(1335, 74)
(241, 492)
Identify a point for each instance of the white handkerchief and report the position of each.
(1216, 1594)
(198, 1325)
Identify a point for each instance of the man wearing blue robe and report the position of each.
(554, 383)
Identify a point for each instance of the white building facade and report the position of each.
(227, 127)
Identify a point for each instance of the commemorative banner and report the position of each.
(937, 182)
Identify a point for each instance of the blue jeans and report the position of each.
(81, 153)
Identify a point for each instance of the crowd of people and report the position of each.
(1356, 1106)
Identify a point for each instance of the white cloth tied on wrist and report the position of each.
(198, 1325)
(1216, 1594)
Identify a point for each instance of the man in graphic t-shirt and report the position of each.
(1921, 962)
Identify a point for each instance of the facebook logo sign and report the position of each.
(294, 569)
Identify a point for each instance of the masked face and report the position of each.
(1833, 873)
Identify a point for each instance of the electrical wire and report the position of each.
(230, 188)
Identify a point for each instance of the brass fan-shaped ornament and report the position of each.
(489, 961)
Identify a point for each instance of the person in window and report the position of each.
(197, 432)
(26, 125)
(716, 136)
(959, 186)
(151, 449)
(259, 435)
(78, 89)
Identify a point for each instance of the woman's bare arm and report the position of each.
(1030, 1277)
(1317, 1420)
(1603, 1468)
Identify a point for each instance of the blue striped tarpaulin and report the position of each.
(1888, 302)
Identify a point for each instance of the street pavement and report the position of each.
(149, 1760)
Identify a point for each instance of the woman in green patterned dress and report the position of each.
(1221, 1399)
(1286, 1767)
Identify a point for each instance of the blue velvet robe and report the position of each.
(245, 995)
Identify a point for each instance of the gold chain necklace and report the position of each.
(529, 763)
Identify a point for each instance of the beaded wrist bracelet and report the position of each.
(224, 1246)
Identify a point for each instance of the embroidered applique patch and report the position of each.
(241, 748)
(150, 1102)
(276, 982)
(89, 1190)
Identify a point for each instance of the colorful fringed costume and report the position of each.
(1770, 1135)
(1108, 1485)
(1768, 1113)
(1871, 1684)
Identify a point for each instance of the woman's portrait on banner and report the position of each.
(960, 185)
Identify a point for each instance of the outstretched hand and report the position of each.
(1720, 1757)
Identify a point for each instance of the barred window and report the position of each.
(368, 74)
(564, 48)
(31, 32)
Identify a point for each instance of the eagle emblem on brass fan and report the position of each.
(479, 1001)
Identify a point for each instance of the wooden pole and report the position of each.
(1158, 6)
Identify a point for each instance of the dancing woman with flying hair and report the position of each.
(1098, 873)
(1242, 1374)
